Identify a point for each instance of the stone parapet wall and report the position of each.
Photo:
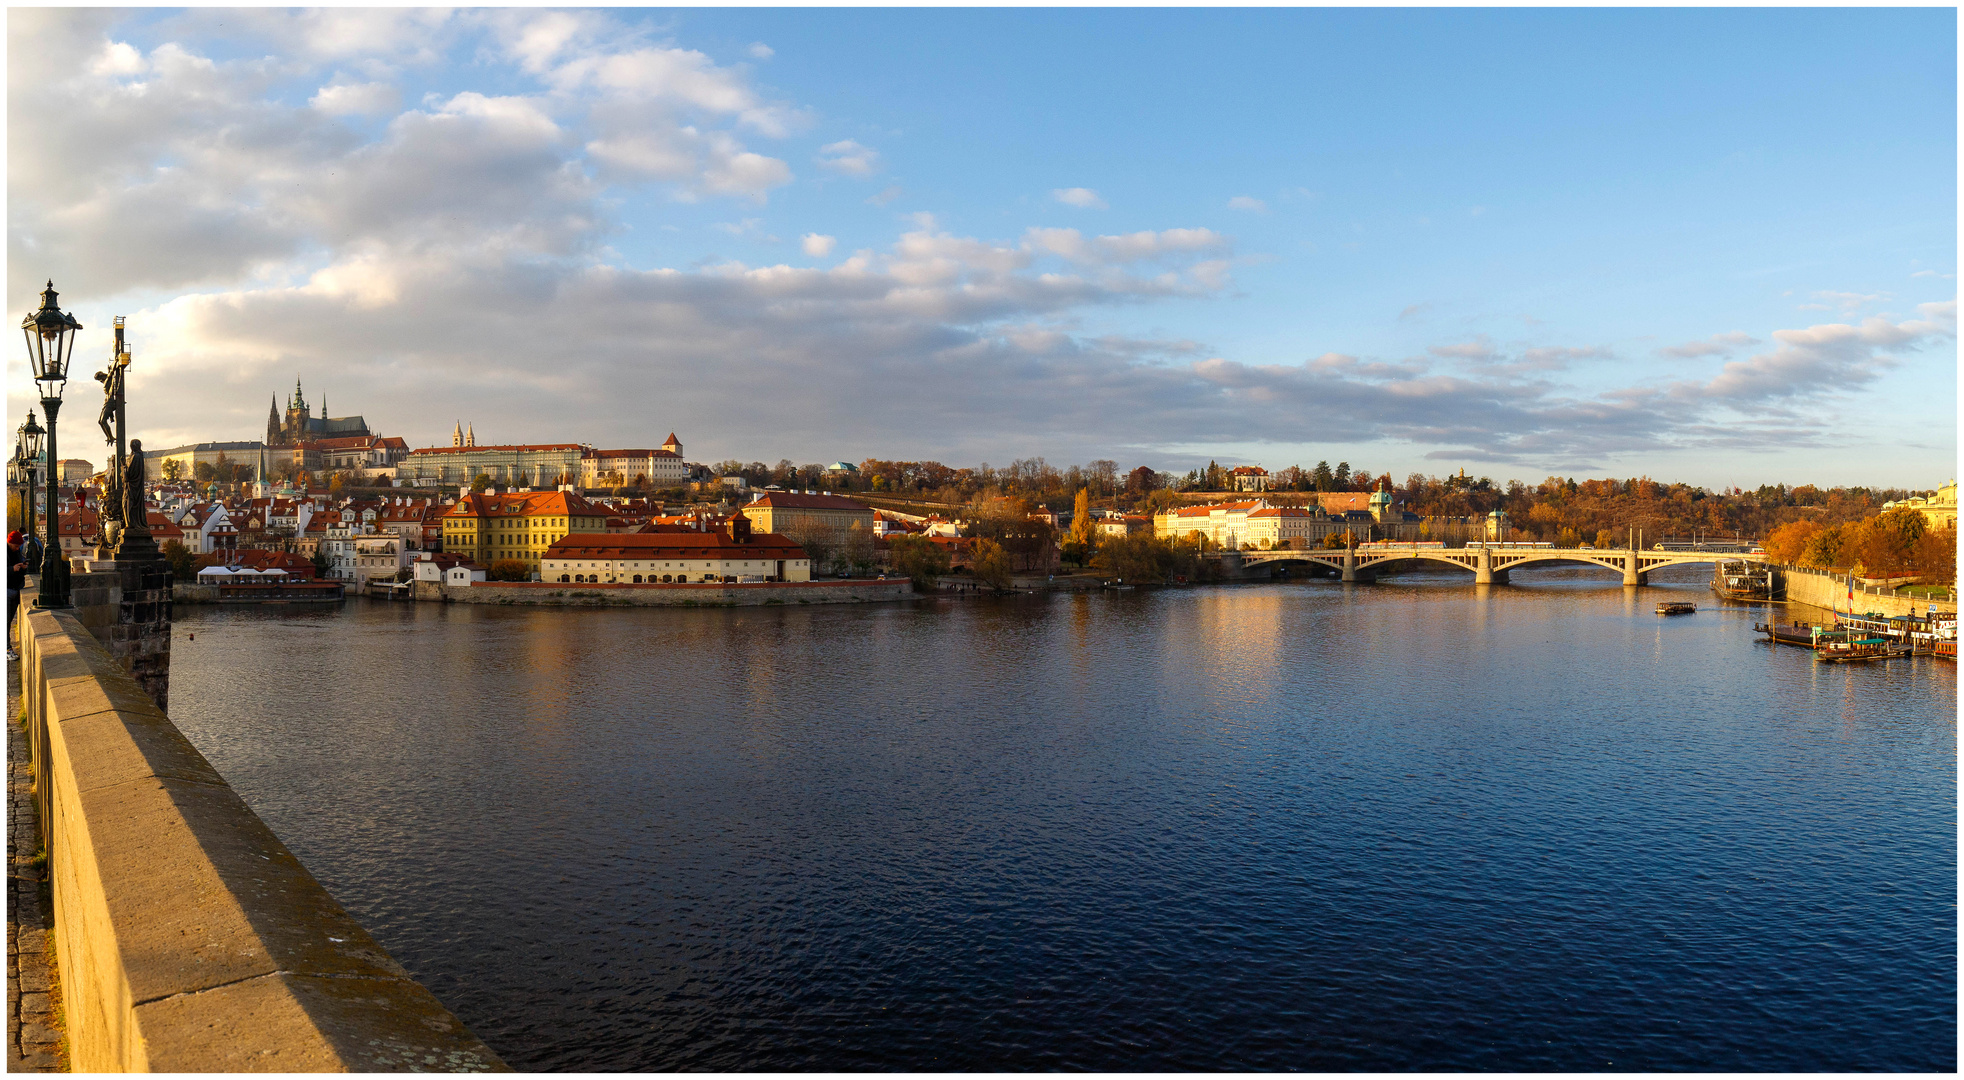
(560, 594)
(1821, 589)
(191, 939)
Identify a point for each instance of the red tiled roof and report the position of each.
(1203, 511)
(783, 500)
(527, 502)
(632, 454)
(475, 449)
(672, 545)
(1282, 511)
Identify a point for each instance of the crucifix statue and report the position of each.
(125, 518)
(111, 509)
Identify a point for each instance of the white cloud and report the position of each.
(357, 99)
(760, 51)
(848, 157)
(1716, 345)
(1248, 202)
(818, 245)
(1082, 198)
(886, 196)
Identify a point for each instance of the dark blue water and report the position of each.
(1399, 826)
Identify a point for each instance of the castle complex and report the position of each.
(300, 426)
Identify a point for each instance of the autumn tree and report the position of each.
(921, 559)
(990, 563)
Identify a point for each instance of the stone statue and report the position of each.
(135, 517)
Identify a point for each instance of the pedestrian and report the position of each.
(16, 580)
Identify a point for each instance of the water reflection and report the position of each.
(1403, 825)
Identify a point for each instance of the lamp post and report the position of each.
(50, 334)
(27, 455)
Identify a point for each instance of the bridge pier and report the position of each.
(1350, 564)
(1632, 576)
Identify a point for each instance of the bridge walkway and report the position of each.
(34, 1037)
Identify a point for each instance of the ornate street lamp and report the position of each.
(50, 334)
(27, 458)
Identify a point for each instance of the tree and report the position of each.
(320, 563)
(183, 564)
(509, 570)
(857, 551)
(1337, 541)
(920, 559)
(480, 482)
(172, 469)
(1084, 529)
(1824, 549)
(202, 472)
(1140, 558)
(819, 542)
(1787, 543)
(990, 563)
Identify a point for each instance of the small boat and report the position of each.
(1677, 608)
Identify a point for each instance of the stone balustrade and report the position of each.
(191, 939)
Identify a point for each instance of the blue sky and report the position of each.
(1716, 246)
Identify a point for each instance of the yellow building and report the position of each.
(521, 525)
(1939, 510)
(792, 514)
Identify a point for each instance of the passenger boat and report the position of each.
(1737, 579)
(1677, 608)
(1805, 635)
(1861, 648)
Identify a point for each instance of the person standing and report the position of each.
(16, 581)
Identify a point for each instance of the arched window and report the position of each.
(668, 577)
(565, 577)
(681, 579)
(637, 579)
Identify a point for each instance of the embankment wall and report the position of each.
(1824, 590)
(190, 938)
(560, 594)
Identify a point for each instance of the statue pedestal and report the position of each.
(140, 640)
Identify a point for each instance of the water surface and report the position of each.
(1410, 825)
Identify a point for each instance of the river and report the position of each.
(1408, 825)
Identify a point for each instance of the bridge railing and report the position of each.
(190, 938)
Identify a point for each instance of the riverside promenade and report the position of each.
(34, 1035)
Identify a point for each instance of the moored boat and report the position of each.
(1861, 648)
(1737, 579)
(1677, 608)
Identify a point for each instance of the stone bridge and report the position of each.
(1489, 565)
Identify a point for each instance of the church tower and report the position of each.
(457, 434)
(296, 416)
(273, 422)
(470, 436)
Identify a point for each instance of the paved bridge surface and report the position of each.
(1489, 565)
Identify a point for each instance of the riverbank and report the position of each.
(1818, 588)
(719, 594)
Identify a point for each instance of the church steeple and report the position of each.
(457, 434)
(470, 436)
(273, 421)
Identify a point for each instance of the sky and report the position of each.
(1716, 247)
